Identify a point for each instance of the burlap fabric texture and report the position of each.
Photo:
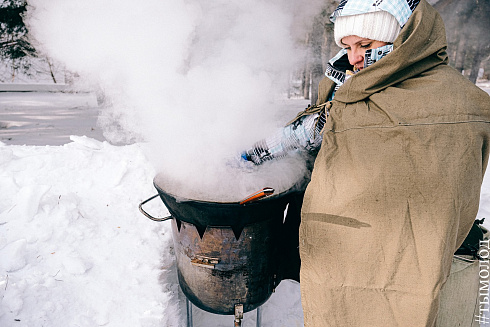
(395, 187)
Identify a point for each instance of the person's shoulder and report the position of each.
(446, 79)
(447, 74)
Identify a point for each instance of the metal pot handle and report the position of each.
(150, 216)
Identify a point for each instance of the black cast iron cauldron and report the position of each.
(227, 253)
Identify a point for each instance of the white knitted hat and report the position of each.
(378, 25)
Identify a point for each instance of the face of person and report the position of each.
(356, 48)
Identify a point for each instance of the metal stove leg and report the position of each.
(188, 306)
(238, 315)
(259, 316)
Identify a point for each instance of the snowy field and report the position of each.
(44, 118)
(74, 249)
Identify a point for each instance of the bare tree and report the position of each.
(15, 47)
(320, 48)
(467, 28)
(315, 49)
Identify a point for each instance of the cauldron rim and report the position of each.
(183, 199)
(203, 213)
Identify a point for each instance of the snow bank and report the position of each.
(75, 250)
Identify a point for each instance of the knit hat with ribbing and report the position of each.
(378, 25)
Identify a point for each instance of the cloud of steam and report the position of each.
(193, 79)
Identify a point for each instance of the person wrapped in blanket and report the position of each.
(396, 184)
(303, 133)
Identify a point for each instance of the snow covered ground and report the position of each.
(74, 249)
(484, 85)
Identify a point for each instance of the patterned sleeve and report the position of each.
(302, 134)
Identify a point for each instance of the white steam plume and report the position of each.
(193, 79)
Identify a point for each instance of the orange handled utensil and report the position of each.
(266, 191)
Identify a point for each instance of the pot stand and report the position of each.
(237, 318)
(237, 260)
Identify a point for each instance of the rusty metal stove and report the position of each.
(227, 253)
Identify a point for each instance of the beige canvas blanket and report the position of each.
(395, 187)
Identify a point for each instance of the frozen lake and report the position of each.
(47, 118)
